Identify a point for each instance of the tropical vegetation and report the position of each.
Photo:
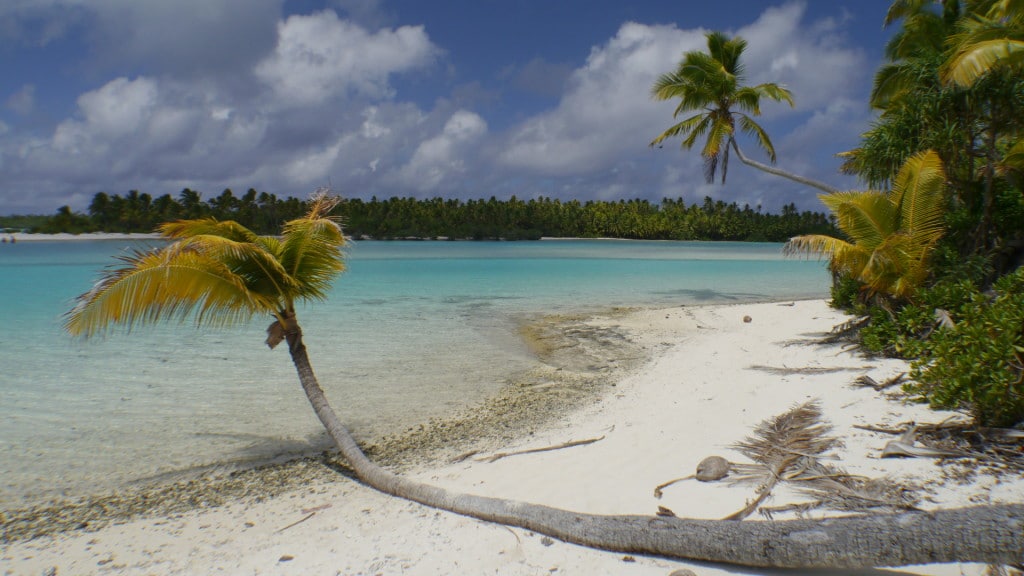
(891, 235)
(492, 219)
(926, 260)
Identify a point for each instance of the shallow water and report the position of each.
(412, 330)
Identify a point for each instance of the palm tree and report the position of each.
(985, 42)
(710, 83)
(891, 234)
(221, 272)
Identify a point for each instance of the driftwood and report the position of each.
(500, 455)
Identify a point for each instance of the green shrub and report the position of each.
(978, 363)
(845, 293)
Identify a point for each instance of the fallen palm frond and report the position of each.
(790, 448)
(847, 330)
(782, 447)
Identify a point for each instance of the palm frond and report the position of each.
(783, 446)
(815, 245)
(775, 92)
(1013, 161)
(311, 251)
(164, 284)
(917, 193)
(866, 217)
(207, 227)
(754, 129)
(692, 128)
(984, 43)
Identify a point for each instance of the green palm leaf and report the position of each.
(710, 83)
(159, 285)
(891, 235)
(918, 194)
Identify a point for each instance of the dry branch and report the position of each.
(500, 455)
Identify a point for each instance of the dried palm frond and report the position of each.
(847, 330)
(783, 447)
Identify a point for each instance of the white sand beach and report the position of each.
(711, 378)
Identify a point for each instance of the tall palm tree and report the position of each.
(220, 273)
(891, 235)
(711, 84)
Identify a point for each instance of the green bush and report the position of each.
(978, 363)
(845, 293)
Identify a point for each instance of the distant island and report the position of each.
(439, 218)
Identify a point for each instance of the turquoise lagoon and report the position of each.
(412, 330)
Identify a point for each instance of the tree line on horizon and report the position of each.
(491, 219)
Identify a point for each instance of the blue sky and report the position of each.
(459, 99)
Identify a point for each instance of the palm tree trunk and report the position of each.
(772, 170)
(992, 534)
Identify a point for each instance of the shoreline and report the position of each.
(572, 370)
(701, 379)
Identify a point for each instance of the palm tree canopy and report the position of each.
(891, 235)
(986, 41)
(711, 84)
(219, 273)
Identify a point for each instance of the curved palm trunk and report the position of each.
(993, 534)
(776, 171)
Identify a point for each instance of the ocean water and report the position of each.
(411, 331)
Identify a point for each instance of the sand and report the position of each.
(710, 378)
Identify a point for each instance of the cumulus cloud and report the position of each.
(323, 103)
(320, 56)
(606, 116)
(439, 157)
(603, 113)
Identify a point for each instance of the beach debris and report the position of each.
(786, 371)
(747, 319)
(712, 468)
(783, 448)
(500, 455)
(682, 572)
(662, 511)
(905, 446)
(708, 470)
(943, 319)
(847, 330)
(297, 522)
(286, 558)
(868, 382)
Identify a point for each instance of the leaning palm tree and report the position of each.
(220, 273)
(891, 235)
(711, 84)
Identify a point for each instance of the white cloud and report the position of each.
(784, 48)
(437, 158)
(24, 100)
(320, 56)
(606, 116)
(607, 107)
